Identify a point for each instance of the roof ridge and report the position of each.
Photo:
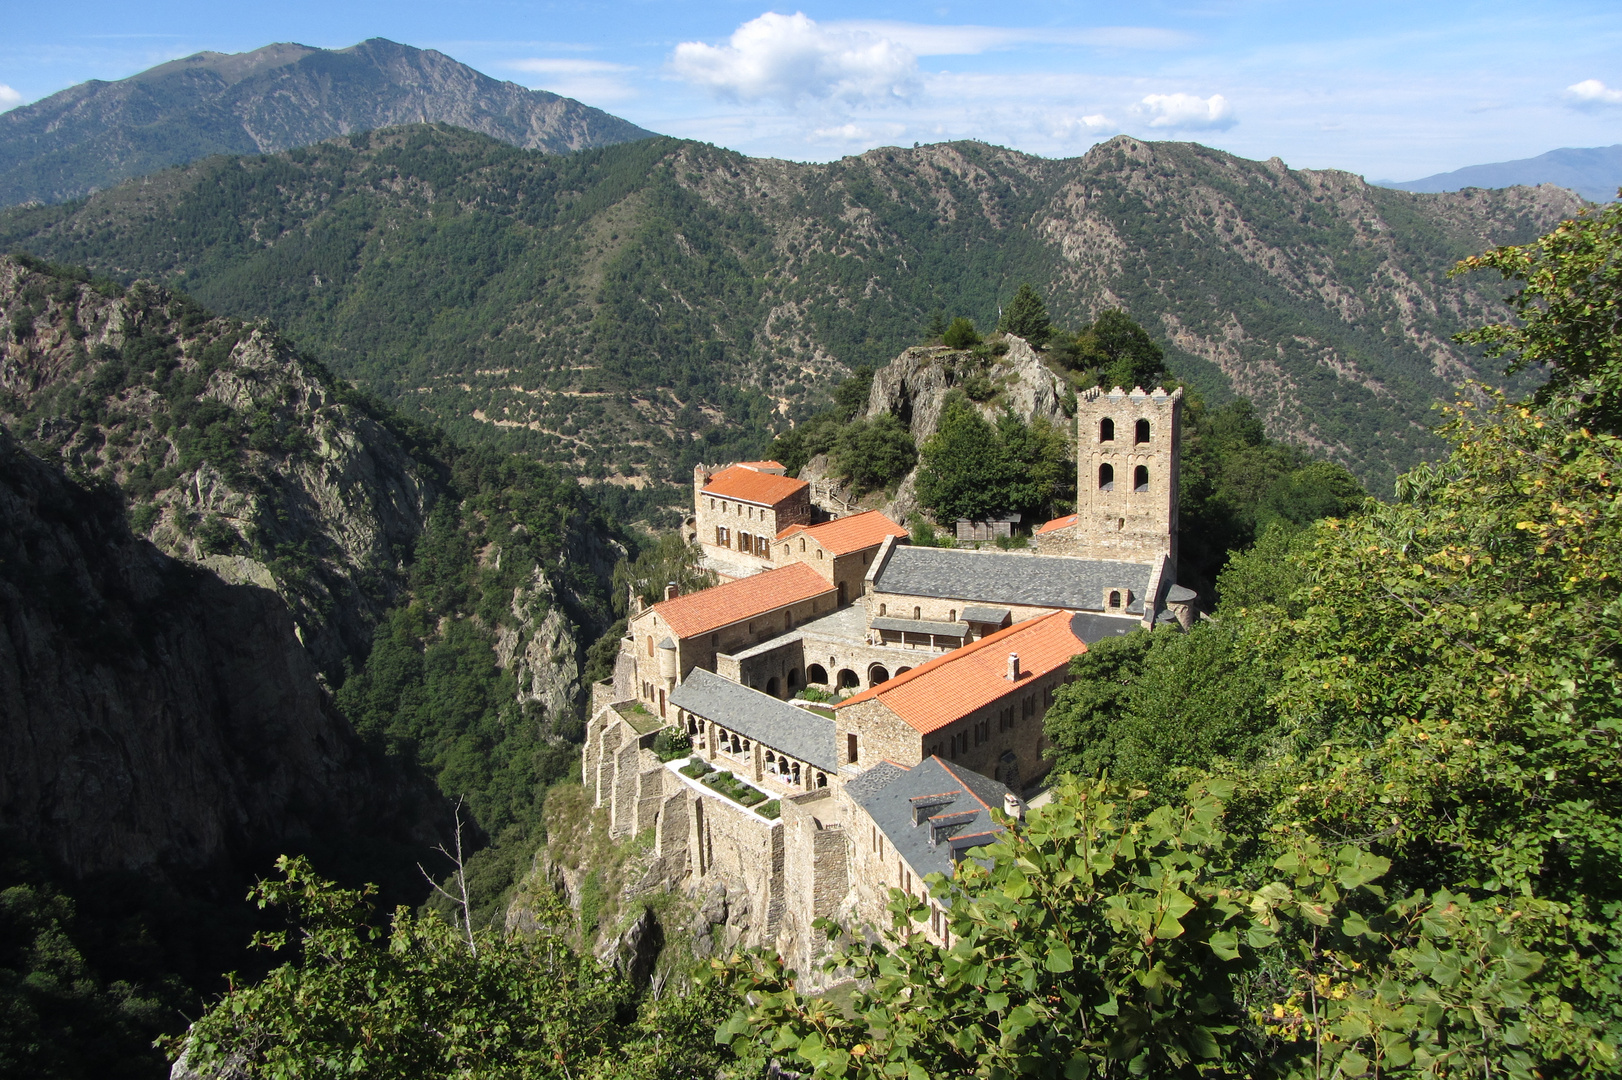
(897, 681)
(966, 786)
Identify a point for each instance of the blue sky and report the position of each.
(1388, 90)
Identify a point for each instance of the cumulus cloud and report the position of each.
(1592, 92)
(9, 98)
(788, 58)
(592, 81)
(1187, 112)
(858, 133)
(1071, 128)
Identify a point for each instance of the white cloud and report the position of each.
(868, 134)
(1071, 128)
(1592, 92)
(1187, 112)
(926, 40)
(594, 82)
(9, 98)
(787, 58)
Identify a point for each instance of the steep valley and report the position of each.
(625, 312)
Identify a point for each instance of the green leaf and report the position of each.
(1059, 959)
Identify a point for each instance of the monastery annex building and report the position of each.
(940, 664)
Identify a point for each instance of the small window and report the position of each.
(1106, 430)
(715, 639)
(917, 613)
(1143, 431)
(802, 543)
(851, 748)
(1140, 478)
(650, 646)
(881, 610)
(819, 553)
(951, 614)
(1106, 477)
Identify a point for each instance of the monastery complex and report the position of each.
(935, 666)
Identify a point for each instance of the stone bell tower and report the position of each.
(1126, 483)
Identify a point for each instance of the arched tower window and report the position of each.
(1114, 599)
(1140, 478)
(1106, 477)
(1143, 431)
(1106, 430)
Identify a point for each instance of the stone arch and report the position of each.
(771, 686)
(900, 671)
(816, 673)
(877, 674)
(848, 679)
(917, 613)
(1106, 430)
(881, 610)
(822, 780)
(1106, 477)
(793, 679)
(1140, 478)
(1115, 598)
(650, 644)
(1143, 431)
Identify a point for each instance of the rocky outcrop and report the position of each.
(248, 460)
(152, 714)
(542, 652)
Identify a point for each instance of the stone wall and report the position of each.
(1122, 522)
(935, 609)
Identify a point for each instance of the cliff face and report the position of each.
(93, 135)
(238, 456)
(153, 714)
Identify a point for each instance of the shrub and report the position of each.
(961, 334)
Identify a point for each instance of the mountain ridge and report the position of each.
(93, 135)
(628, 311)
(1593, 172)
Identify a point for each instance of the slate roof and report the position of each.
(921, 626)
(847, 534)
(1180, 594)
(955, 802)
(743, 484)
(947, 688)
(996, 577)
(1091, 628)
(977, 613)
(710, 609)
(798, 733)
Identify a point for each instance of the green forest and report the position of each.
(632, 310)
(1360, 822)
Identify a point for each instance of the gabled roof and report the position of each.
(931, 813)
(1057, 523)
(762, 466)
(749, 485)
(998, 577)
(847, 534)
(948, 688)
(710, 609)
(799, 733)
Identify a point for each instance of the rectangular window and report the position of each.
(1030, 705)
(850, 747)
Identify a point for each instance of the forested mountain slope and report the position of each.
(629, 310)
(93, 135)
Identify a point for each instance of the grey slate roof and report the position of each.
(959, 802)
(921, 626)
(1179, 594)
(760, 717)
(977, 613)
(996, 577)
(1091, 628)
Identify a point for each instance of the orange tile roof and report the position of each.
(757, 465)
(1058, 523)
(847, 534)
(747, 485)
(710, 609)
(949, 687)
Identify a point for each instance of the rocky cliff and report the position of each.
(93, 135)
(236, 454)
(153, 714)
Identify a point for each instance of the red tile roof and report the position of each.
(948, 688)
(762, 466)
(748, 485)
(710, 609)
(847, 534)
(1058, 523)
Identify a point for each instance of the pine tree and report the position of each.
(1026, 316)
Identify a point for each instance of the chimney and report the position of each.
(1013, 806)
(670, 590)
(1013, 667)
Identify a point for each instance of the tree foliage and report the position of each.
(972, 468)
(419, 1000)
(961, 334)
(1026, 316)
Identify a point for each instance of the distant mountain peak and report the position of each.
(1594, 172)
(96, 134)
